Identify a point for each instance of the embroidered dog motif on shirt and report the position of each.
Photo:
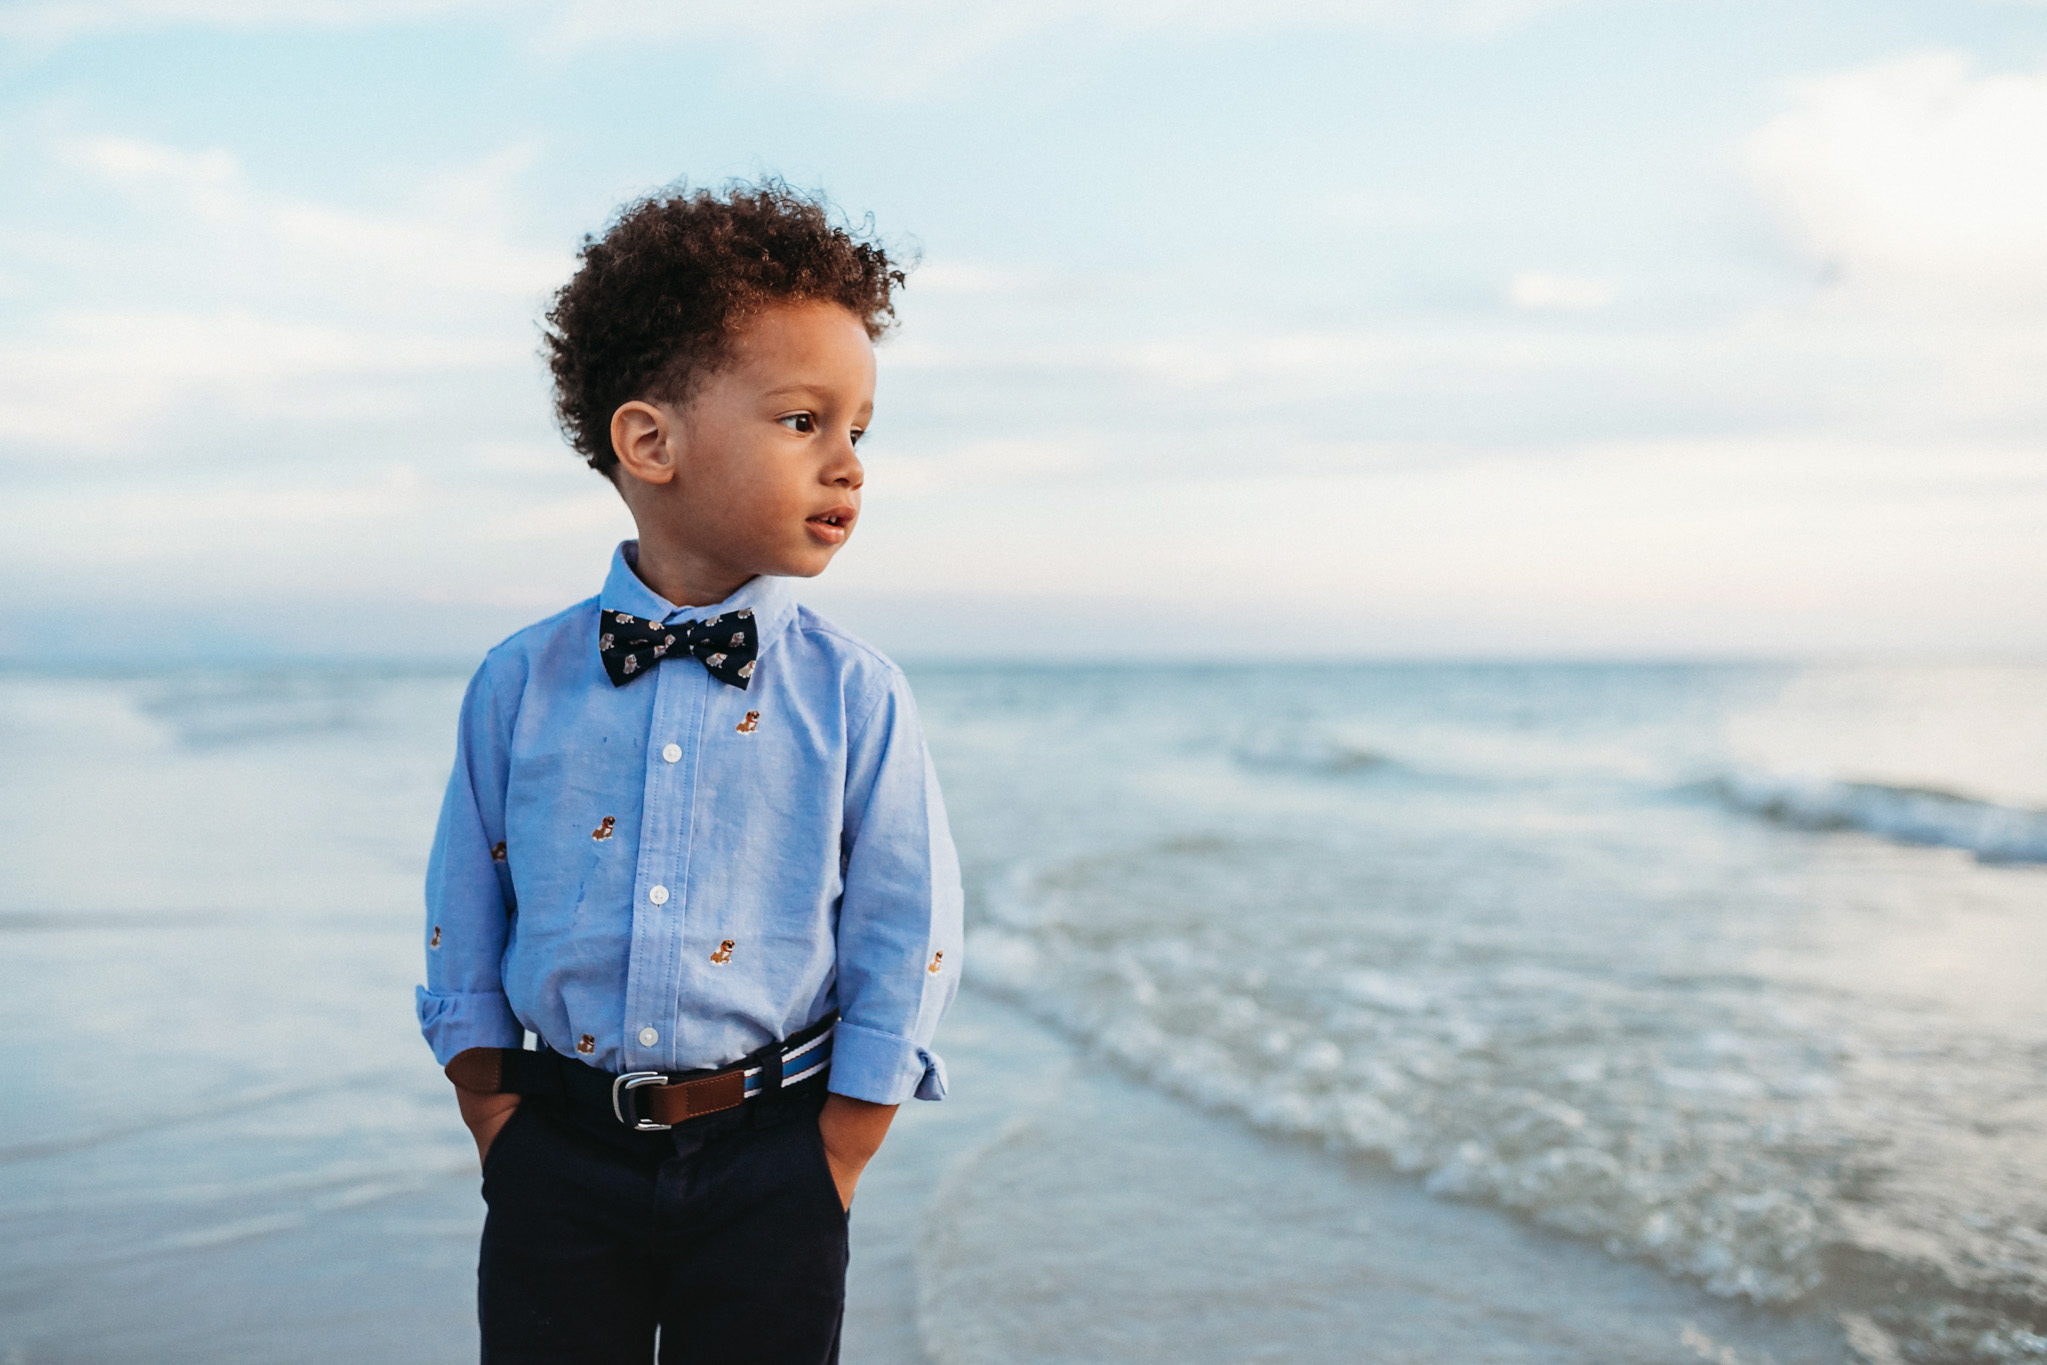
(724, 953)
(751, 723)
(497, 854)
(586, 1045)
(435, 941)
(937, 962)
(603, 831)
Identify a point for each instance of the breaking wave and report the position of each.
(1652, 1102)
(1908, 815)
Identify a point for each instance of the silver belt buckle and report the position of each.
(633, 1080)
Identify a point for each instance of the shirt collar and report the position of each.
(768, 598)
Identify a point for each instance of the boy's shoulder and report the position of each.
(516, 658)
(810, 630)
(863, 672)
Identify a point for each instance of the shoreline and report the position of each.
(1063, 1211)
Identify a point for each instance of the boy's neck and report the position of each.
(683, 578)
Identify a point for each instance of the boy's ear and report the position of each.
(639, 437)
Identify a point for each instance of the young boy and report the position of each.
(693, 841)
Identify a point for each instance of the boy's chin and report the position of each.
(801, 566)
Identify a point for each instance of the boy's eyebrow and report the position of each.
(800, 389)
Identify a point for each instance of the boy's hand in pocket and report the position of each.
(486, 1116)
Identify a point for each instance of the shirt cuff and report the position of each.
(883, 1068)
(455, 1023)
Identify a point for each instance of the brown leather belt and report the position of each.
(648, 1100)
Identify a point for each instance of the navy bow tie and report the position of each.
(630, 646)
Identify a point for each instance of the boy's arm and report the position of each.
(898, 936)
(469, 902)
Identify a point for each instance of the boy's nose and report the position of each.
(846, 471)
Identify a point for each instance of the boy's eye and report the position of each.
(799, 422)
(857, 434)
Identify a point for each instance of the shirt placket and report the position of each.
(661, 878)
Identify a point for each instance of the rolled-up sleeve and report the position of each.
(899, 920)
(469, 898)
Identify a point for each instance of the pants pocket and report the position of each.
(813, 1137)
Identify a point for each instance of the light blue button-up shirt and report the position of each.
(668, 875)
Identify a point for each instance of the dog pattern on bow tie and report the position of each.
(629, 647)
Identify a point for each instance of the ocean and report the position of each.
(1430, 1012)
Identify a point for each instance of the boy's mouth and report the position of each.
(832, 525)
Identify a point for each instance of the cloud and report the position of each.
(1917, 176)
(961, 277)
(981, 465)
(930, 33)
(904, 48)
(208, 181)
(1540, 291)
(1200, 17)
(212, 297)
(447, 253)
(56, 21)
(1753, 543)
(91, 380)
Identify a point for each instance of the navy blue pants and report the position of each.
(725, 1233)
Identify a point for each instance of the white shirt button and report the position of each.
(648, 1037)
(658, 895)
(673, 753)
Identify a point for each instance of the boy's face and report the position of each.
(755, 473)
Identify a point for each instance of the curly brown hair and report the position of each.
(661, 294)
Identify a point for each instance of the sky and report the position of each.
(1390, 328)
